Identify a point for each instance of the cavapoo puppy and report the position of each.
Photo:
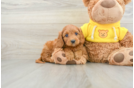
(70, 42)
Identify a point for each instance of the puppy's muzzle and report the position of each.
(72, 41)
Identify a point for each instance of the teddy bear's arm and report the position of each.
(127, 40)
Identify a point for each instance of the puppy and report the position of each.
(71, 39)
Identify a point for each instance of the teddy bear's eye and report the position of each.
(76, 33)
(66, 35)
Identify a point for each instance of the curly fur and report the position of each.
(91, 3)
(127, 41)
(99, 52)
(75, 50)
(127, 1)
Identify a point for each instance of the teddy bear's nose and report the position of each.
(108, 3)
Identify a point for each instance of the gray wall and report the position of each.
(28, 24)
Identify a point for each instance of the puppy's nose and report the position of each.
(108, 3)
(73, 41)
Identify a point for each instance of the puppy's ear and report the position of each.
(127, 1)
(86, 2)
(82, 38)
(60, 42)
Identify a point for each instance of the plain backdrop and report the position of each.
(28, 24)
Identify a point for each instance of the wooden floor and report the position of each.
(27, 24)
(20, 73)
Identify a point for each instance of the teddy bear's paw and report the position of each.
(61, 58)
(71, 62)
(123, 56)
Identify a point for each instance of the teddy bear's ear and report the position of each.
(106, 31)
(99, 30)
(86, 2)
(127, 1)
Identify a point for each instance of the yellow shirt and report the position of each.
(111, 33)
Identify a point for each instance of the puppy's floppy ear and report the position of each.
(82, 38)
(86, 2)
(60, 42)
(127, 1)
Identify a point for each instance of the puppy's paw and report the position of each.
(70, 58)
(82, 60)
(77, 57)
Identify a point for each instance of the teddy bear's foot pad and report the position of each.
(59, 59)
(119, 57)
(71, 62)
(123, 56)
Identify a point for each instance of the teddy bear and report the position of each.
(106, 41)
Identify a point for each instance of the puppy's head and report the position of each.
(106, 11)
(70, 36)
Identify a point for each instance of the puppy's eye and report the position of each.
(76, 33)
(66, 35)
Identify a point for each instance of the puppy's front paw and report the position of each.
(69, 54)
(77, 57)
(70, 58)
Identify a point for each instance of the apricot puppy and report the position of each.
(71, 40)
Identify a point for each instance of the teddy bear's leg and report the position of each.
(59, 57)
(122, 56)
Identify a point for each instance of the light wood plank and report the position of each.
(51, 17)
(47, 75)
(19, 41)
(109, 76)
(21, 73)
(59, 11)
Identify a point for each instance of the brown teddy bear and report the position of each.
(106, 41)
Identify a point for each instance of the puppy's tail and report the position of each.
(39, 60)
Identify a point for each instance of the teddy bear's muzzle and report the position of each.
(107, 12)
(108, 3)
